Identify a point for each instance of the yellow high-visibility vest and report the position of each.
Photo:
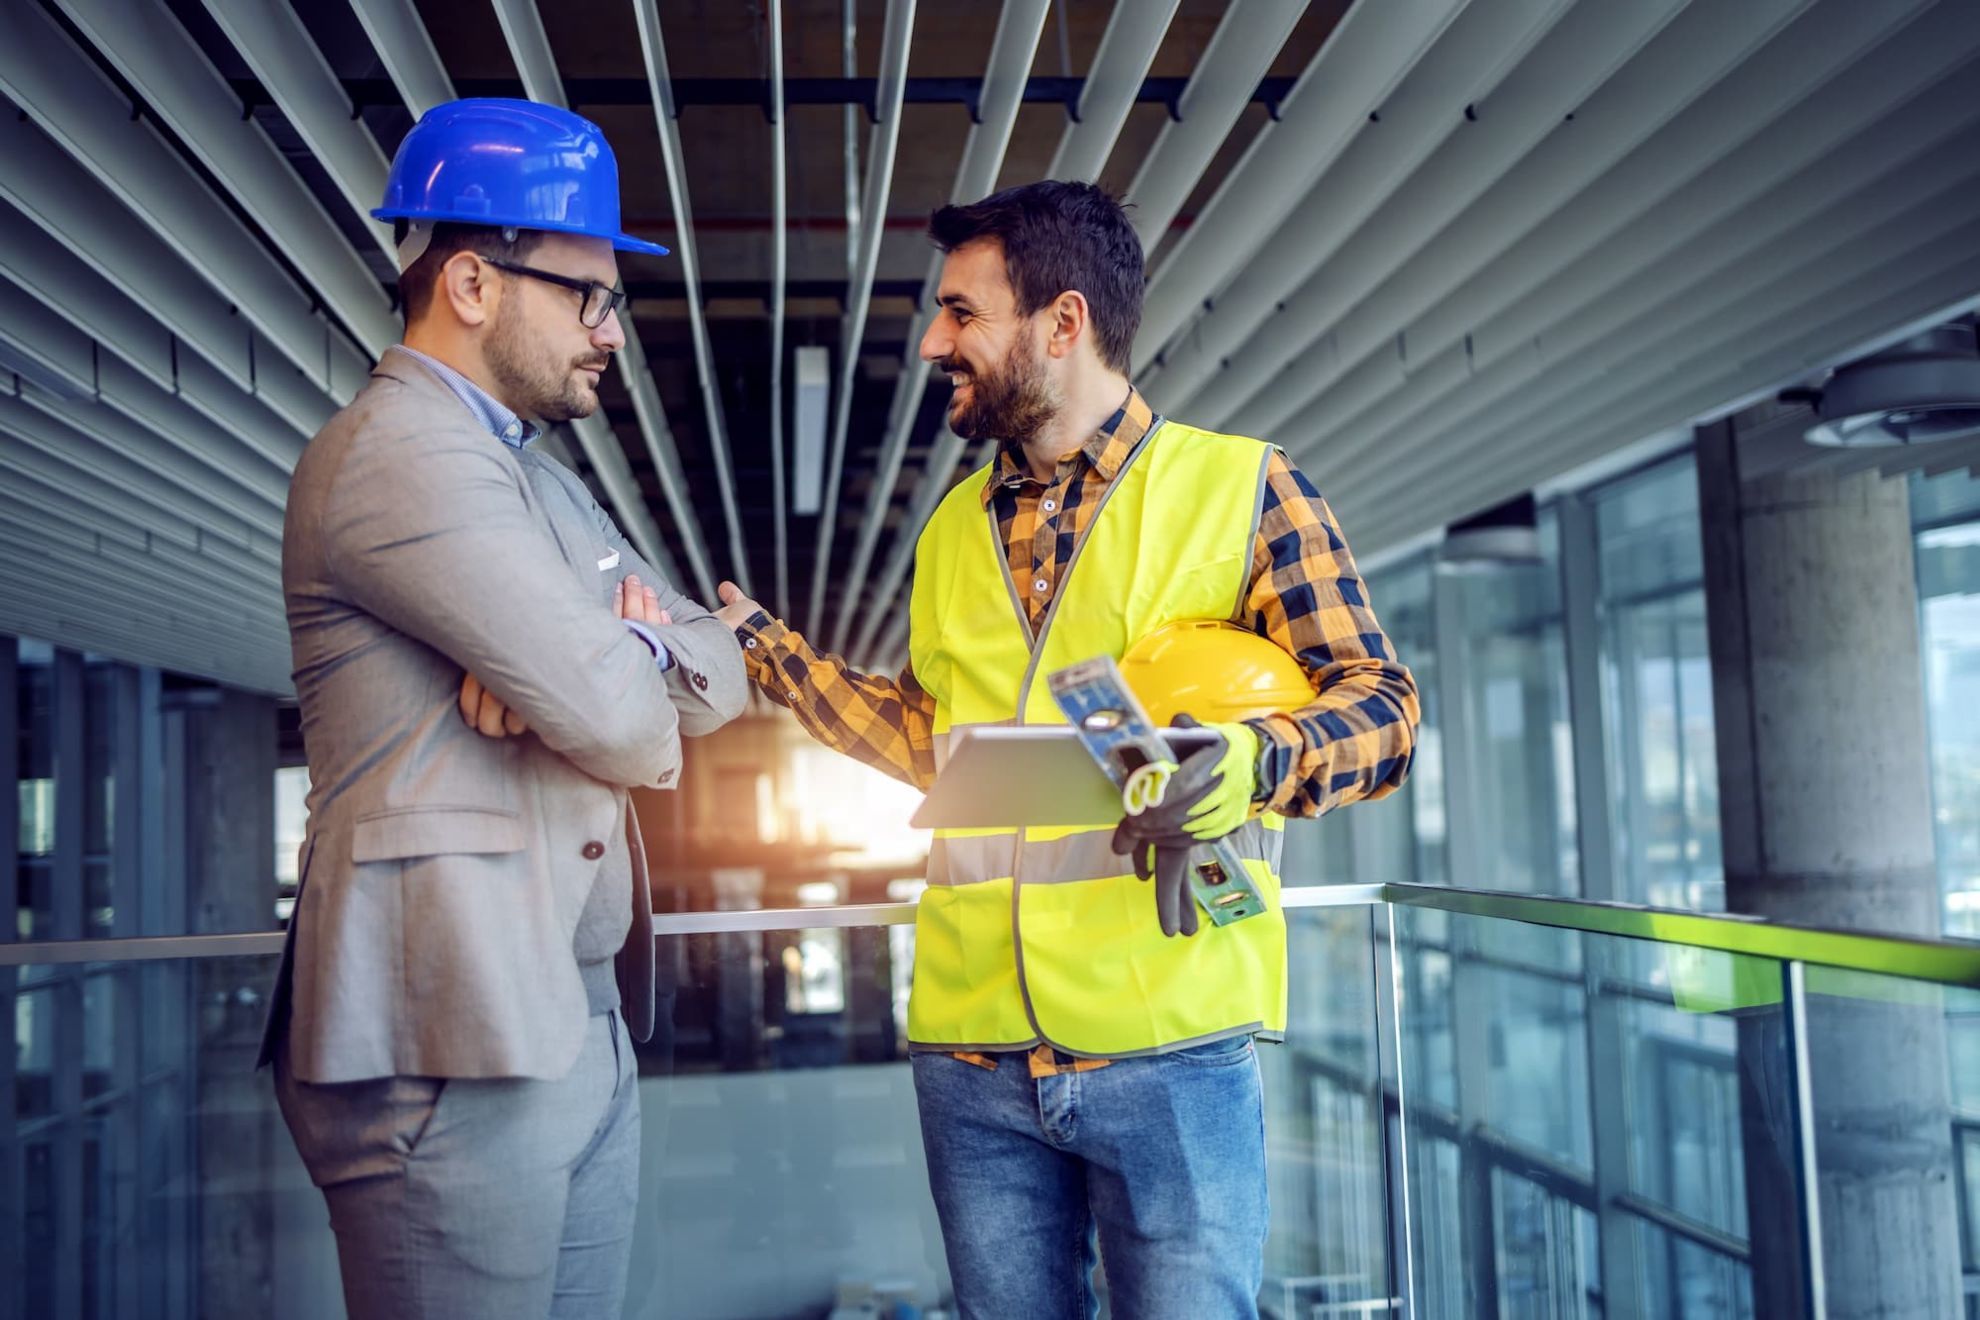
(1045, 935)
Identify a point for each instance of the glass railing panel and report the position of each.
(1893, 1079)
(782, 1169)
(1574, 1132)
(142, 1159)
(1326, 1111)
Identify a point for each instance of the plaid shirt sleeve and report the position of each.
(1355, 739)
(887, 723)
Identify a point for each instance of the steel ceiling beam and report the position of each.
(881, 146)
(1486, 44)
(653, 49)
(1357, 68)
(406, 50)
(853, 92)
(1011, 54)
(529, 46)
(1240, 52)
(44, 73)
(1120, 71)
(779, 285)
(271, 38)
(1126, 50)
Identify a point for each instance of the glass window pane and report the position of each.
(1657, 691)
(35, 789)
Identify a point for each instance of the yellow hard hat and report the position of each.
(1213, 670)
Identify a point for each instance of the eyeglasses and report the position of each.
(598, 301)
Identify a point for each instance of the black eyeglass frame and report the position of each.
(615, 296)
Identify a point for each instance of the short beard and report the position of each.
(1014, 405)
(536, 385)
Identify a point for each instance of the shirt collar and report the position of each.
(1106, 450)
(493, 415)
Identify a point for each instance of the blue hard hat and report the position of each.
(509, 165)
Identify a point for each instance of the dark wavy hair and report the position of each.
(1060, 237)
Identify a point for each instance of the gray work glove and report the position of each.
(1159, 840)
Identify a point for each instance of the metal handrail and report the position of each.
(1945, 962)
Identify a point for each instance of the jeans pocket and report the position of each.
(1217, 1054)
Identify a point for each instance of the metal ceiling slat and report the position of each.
(779, 275)
(1523, 396)
(1568, 65)
(1240, 53)
(1120, 65)
(1374, 289)
(1012, 51)
(46, 75)
(48, 272)
(51, 601)
(27, 468)
(1127, 51)
(1800, 322)
(1738, 306)
(40, 337)
(1714, 230)
(1426, 111)
(653, 48)
(27, 530)
(170, 71)
(240, 515)
(406, 50)
(273, 41)
(1918, 304)
(44, 184)
(1354, 72)
(881, 146)
(529, 46)
(1815, 82)
(246, 417)
(261, 472)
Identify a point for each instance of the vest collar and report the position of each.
(1106, 450)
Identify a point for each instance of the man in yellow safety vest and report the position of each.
(1083, 1064)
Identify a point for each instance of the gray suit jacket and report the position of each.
(444, 873)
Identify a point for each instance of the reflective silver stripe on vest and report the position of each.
(1088, 855)
(971, 859)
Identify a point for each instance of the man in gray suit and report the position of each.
(485, 667)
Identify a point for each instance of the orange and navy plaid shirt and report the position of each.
(1352, 741)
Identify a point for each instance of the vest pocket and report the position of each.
(401, 832)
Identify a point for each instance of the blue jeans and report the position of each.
(1163, 1156)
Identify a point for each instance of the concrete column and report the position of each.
(1825, 802)
(226, 796)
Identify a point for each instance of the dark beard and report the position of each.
(1014, 405)
(540, 388)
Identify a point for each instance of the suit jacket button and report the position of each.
(593, 851)
(700, 681)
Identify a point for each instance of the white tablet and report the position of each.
(1003, 777)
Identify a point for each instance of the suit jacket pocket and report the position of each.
(401, 832)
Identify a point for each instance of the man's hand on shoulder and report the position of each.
(484, 711)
